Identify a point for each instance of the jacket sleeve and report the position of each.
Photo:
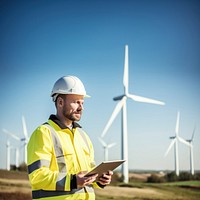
(42, 168)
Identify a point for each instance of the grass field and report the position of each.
(15, 186)
(189, 190)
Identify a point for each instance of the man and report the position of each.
(60, 153)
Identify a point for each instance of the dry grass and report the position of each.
(129, 193)
(15, 186)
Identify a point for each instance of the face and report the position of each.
(72, 106)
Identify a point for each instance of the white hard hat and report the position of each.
(68, 85)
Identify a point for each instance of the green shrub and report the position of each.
(171, 177)
(23, 167)
(155, 179)
(196, 176)
(185, 176)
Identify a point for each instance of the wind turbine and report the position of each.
(24, 139)
(174, 142)
(8, 155)
(121, 105)
(191, 152)
(9, 148)
(106, 147)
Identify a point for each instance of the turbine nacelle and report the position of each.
(119, 97)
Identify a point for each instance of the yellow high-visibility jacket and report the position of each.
(55, 154)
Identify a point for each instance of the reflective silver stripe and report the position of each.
(58, 149)
(38, 164)
(82, 133)
(60, 184)
(36, 194)
(61, 179)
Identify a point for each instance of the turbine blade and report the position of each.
(24, 128)
(170, 146)
(111, 145)
(102, 142)
(177, 123)
(183, 141)
(113, 116)
(125, 79)
(11, 134)
(193, 133)
(145, 100)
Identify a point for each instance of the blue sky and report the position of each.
(44, 40)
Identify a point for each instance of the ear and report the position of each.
(60, 101)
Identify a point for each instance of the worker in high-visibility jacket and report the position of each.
(60, 153)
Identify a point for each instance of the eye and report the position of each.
(80, 102)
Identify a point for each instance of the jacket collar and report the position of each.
(60, 124)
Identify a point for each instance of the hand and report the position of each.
(83, 181)
(105, 179)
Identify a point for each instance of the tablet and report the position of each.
(104, 167)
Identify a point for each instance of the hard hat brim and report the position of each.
(54, 96)
(87, 96)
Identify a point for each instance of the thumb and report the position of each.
(82, 173)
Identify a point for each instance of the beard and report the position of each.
(72, 116)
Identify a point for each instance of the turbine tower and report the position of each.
(8, 152)
(8, 155)
(174, 142)
(24, 139)
(121, 105)
(106, 147)
(16, 155)
(191, 153)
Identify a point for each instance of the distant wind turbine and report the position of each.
(9, 148)
(106, 147)
(121, 105)
(8, 155)
(16, 156)
(174, 142)
(24, 139)
(191, 152)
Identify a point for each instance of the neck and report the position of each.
(64, 121)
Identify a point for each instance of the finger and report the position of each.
(90, 179)
(82, 173)
(105, 176)
(104, 182)
(110, 172)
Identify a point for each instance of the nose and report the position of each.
(81, 107)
